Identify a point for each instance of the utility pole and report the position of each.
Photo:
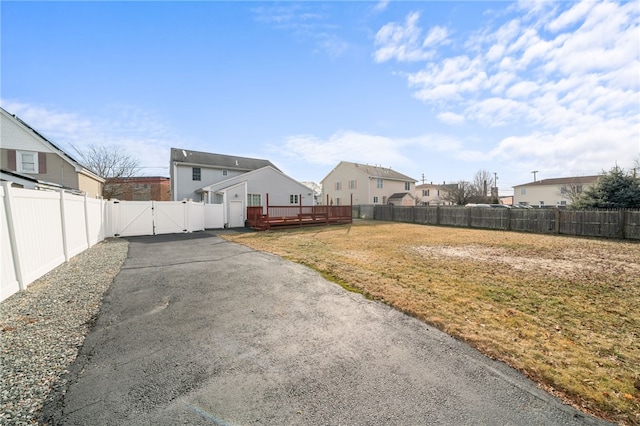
(534, 175)
(423, 178)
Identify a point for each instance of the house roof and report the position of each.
(231, 162)
(218, 186)
(399, 195)
(444, 186)
(77, 165)
(377, 172)
(562, 181)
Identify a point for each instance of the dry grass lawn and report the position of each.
(565, 311)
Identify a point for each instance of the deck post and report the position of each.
(300, 209)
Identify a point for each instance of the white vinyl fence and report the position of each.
(42, 229)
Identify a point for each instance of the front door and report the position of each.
(236, 214)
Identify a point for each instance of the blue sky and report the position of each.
(440, 89)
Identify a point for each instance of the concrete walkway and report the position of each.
(199, 331)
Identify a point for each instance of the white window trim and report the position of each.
(20, 163)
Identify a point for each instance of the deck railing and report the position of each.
(297, 216)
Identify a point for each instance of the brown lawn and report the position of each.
(563, 310)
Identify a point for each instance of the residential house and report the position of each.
(192, 170)
(26, 155)
(365, 183)
(234, 182)
(551, 192)
(401, 199)
(430, 194)
(255, 188)
(142, 188)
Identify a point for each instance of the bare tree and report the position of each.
(114, 164)
(460, 195)
(482, 184)
(572, 191)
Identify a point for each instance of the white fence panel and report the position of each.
(9, 283)
(37, 223)
(132, 218)
(75, 225)
(169, 217)
(96, 220)
(195, 216)
(213, 216)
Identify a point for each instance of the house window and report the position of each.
(407, 186)
(425, 192)
(225, 172)
(293, 199)
(379, 183)
(338, 186)
(195, 173)
(523, 191)
(563, 203)
(437, 192)
(541, 203)
(27, 161)
(563, 190)
(254, 200)
(352, 184)
(338, 202)
(578, 189)
(375, 200)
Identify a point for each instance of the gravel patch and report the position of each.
(42, 328)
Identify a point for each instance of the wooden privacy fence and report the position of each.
(587, 223)
(269, 217)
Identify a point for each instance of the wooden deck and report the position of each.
(297, 216)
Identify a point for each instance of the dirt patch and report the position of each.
(576, 260)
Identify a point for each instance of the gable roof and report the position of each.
(399, 196)
(231, 162)
(376, 172)
(218, 186)
(54, 148)
(562, 181)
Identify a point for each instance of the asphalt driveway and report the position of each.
(199, 331)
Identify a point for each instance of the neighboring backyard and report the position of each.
(563, 310)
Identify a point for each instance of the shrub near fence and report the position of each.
(589, 223)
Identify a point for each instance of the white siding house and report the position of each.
(551, 192)
(192, 170)
(252, 189)
(30, 160)
(367, 184)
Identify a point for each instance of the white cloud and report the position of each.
(437, 35)
(451, 118)
(571, 16)
(522, 89)
(402, 42)
(562, 78)
(381, 6)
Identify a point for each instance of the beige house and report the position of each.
(367, 184)
(430, 194)
(27, 156)
(552, 192)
